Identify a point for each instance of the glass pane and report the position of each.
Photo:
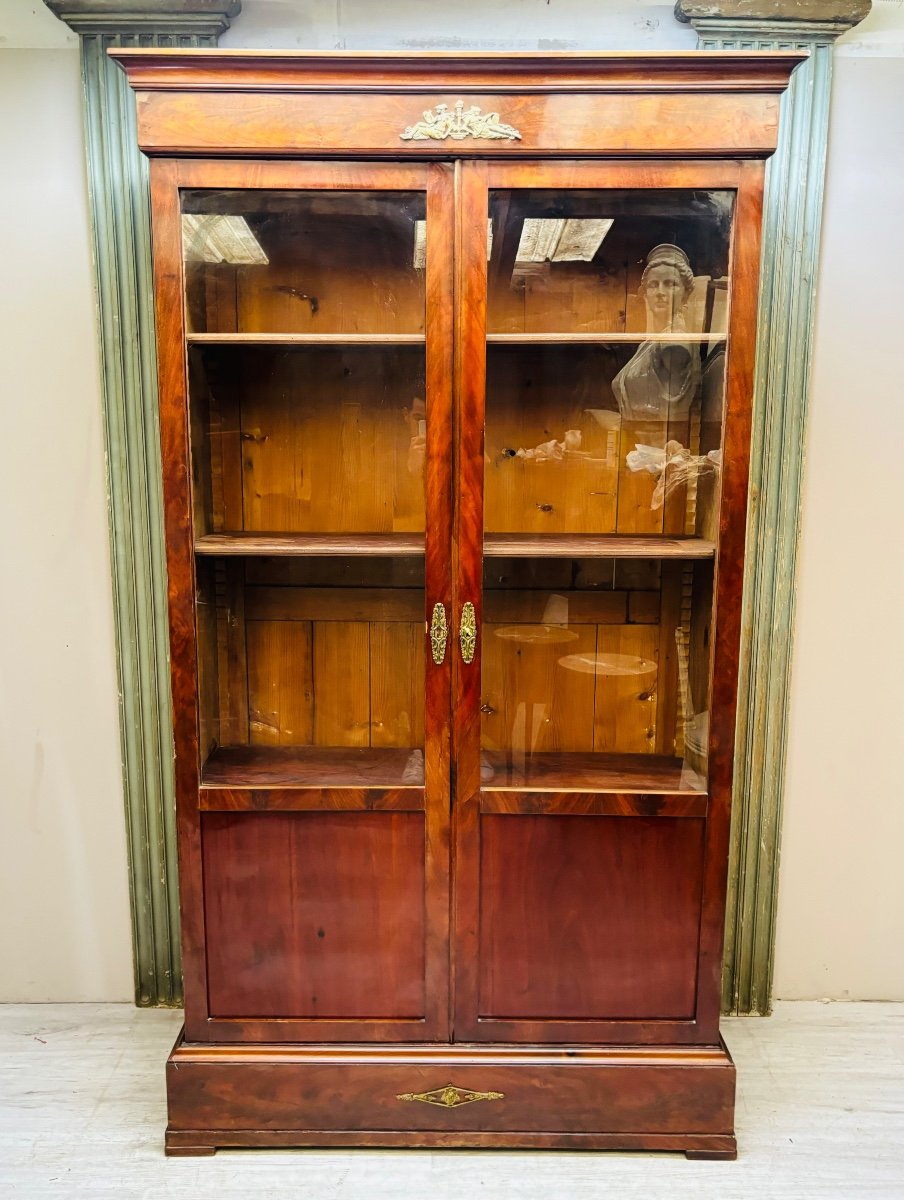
(312, 670)
(306, 357)
(607, 327)
(308, 439)
(306, 360)
(595, 674)
(304, 262)
(607, 320)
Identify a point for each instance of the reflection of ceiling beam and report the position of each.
(550, 239)
(215, 238)
(419, 259)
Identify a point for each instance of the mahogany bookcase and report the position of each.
(455, 362)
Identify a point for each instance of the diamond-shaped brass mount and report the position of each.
(450, 1096)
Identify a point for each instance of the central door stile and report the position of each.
(470, 385)
(438, 586)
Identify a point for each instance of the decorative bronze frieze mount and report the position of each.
(450, 1096)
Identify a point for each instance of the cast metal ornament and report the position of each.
(439, 631)
(459, 123)
(467, 632)
(450, 1096)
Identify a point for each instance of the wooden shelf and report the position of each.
(418, 339)
(388, 545)
(579, 771)
(563, 773)
(305, 339)
(312, 766)
(602, 339)
(411, 545)
(589, 545)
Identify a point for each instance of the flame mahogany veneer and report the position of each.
(384, 954)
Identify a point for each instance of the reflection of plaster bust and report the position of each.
(661, 379)
(666, 286)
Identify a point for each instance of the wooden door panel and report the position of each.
(315, 915)
(589, 918)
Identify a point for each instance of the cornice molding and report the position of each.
(195, 18)
(463, 71)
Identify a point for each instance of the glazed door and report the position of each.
(314, 305)
(591, 803)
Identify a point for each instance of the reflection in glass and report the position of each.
(322, 658)
(303, 262)
(595, 673)
(306, 313)
(607, 319)
(607, 324)
(662, 378)
(308, 410)
(218, 238)
(308, 439)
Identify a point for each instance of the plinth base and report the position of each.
(491, 1097)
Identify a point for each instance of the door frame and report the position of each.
(474, 180)
(167, 178)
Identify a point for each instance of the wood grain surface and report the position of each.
(675, 1092)
(560, 893)
(342, 453)
(726, 635)
(179, 531)
(317, 915)
(676, 124)
(496, 545)
(626, 71)
(256, 766)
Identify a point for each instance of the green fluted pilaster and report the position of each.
(118, 183)
(791, 224)
(118, 186)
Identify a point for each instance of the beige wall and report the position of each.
(64, 924)
(841, 893)
(64, 902)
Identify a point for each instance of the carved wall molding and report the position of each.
(199, 21)
(118, 188)
(791, 224)
(118, 192)
(768, 14)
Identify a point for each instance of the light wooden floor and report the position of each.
(820, 1115)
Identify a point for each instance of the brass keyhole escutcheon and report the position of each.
(439, 632)
(467, 632)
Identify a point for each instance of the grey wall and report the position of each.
(462, 24)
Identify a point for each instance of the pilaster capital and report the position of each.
(192, 18)
(779, 21)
